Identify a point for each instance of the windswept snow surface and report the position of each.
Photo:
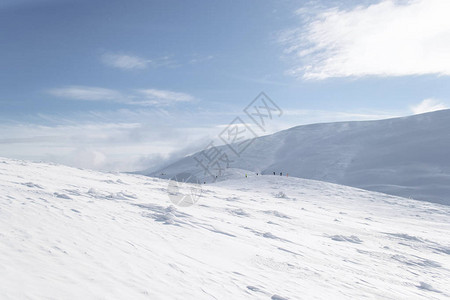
(407, 157)
(67, 233)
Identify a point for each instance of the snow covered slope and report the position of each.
(407, 157)
(67, 233)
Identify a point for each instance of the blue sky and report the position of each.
(124, 85)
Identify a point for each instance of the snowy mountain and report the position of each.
(68, 233)
(407, 156)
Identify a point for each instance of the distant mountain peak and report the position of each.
(405, 156)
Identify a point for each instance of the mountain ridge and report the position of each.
(405, 156)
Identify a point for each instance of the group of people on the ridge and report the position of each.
(281, 174)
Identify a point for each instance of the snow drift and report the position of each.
(67, 233)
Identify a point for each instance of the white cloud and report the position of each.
(200, 59)
(144, 138)
(163, 97)
(143, 97)
(86, 93)
(125, 62)
(133, 62)
(428, 105)
(309, 116)
(147, 140)
(390, 38)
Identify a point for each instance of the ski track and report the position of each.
(68, 233)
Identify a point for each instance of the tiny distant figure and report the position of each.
(204, 182)
(256, 174)
(273, 173)
(287, 174)
(281, 173)
(245, 175)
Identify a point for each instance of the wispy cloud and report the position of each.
(428, 105)
(125, 62)
(163, 97)
(390, 38)
(308, 116)
(143, 138)
(147, 141)
(199, 59)
(87, 93)
(133, 62)
(143, 97)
